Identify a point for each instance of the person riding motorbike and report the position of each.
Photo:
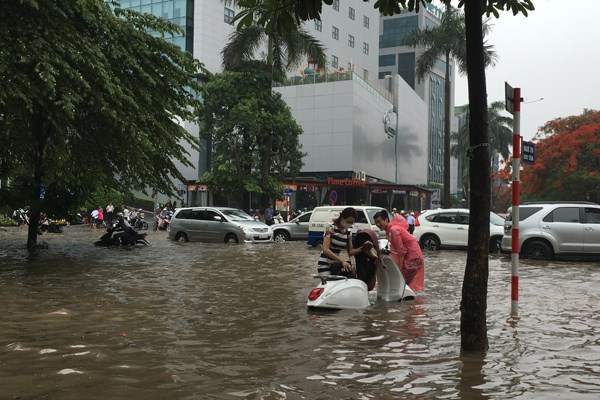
(123, 228)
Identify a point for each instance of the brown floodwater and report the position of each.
(216, 321)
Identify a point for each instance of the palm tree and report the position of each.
(286, 44)
(268, 23)
(501, 136)
(449, 41)
(284, 51)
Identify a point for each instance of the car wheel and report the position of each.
(538, 250)
(231, 238)
(281, 236)
(181, 237)
(495, 244)
(430, 243)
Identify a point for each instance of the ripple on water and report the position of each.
(182, 320)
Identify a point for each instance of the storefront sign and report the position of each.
(399, 191)
(196, 188)
(378, 191)
(346, 182)
(308, 188)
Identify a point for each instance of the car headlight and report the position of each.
(246, 229)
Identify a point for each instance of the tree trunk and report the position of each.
(447, 202)
(473, 323)
(38, 130)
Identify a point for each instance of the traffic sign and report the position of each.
(509, 98)
(528, 152)
(333, 197)
(288, 192)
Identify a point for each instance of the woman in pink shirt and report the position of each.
(405, 249)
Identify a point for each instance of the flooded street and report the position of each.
(216, 321)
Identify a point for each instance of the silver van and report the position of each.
(323, 216)
(217, 224)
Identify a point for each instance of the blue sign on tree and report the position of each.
(528, 153)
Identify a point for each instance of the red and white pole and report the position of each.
(516, 190)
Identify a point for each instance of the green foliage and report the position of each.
(255, 139)
(102, 196)
(500, 127)
(87, 95)
(284, 51)
(7, 221)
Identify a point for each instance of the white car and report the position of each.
(449, 227)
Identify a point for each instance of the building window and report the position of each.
(366, 48)
(395, 30)
(318, 25)
(350, 40)
(386, 60)
(350, 66)
(365, 74)
(335, 33)
(366, 22)
(334, 62)
(351, 13)
(336, 5)
(229, 15)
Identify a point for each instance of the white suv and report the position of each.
(552, 229)
(449, 227)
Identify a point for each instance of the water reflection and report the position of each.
(198, 321)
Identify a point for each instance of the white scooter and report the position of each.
(340, 292)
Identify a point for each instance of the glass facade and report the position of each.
(180, 12)
(406, 67)
(386, 60)
(435, 171)
(395, 30)
(384, 74)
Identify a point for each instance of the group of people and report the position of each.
(410, 218)
(101, 217)
(404, 248)
(163, 215)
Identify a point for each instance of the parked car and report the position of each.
(549, 229)
(323, 216)
(296, 229)
(449, 227)
(217, 224)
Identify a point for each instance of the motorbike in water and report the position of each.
(121, 233)
(139, 223)
(379, 268)
(20, 217)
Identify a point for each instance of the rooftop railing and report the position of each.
(375, 88)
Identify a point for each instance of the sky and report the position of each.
(551, 54)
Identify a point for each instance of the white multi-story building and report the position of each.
(346, 124)
(395, 58)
